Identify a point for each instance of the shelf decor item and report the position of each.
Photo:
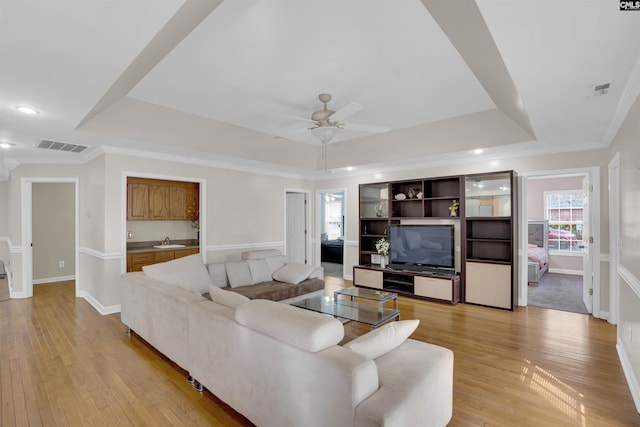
(193, 214)
(453, 209)
(382, 246)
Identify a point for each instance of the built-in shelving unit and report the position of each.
(490, 234)
(487, 222)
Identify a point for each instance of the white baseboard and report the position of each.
(634, 387)
(18, 295)
(53, 279)
(99, 307)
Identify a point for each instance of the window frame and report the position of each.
(578, 247)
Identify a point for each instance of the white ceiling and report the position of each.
(231, 82)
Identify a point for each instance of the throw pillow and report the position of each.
(276, 262)
(384, 339)
(292, 273)
(226, 298)
(259, 270)
(188, 273)
(218, 274)
(238, 274)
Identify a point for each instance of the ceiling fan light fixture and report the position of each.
(324, 133)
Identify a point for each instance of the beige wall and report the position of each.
(4, 210)
(530, 164)
(627, 143)
(53, 230)
(245, 209)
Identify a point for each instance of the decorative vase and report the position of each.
(383, 261)
(454, 213)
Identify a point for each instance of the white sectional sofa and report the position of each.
(282, 366)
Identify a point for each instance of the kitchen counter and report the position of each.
(140, 254)
(139, 247)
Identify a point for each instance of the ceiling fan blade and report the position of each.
(297, 118)
(365, 128)
(346, 111)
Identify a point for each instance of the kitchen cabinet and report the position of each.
(157, 200)
(137, 201)
(137, 260)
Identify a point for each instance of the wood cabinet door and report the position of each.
(137, 201)
(178, 203)
(368, 278)
(158, 202)
(179, 253)
(433, 288)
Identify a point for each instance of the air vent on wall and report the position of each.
(48, 144)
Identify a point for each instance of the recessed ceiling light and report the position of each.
(27, 110)
(6, 145)
(349, 168)
(478, 151)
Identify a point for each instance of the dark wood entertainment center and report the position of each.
(486, 227)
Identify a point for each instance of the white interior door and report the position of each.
(587, 277)
(296, 241)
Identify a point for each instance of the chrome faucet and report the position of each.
(166, 241)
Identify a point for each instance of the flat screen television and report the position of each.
(418, 247)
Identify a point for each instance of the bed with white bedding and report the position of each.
(537, 250)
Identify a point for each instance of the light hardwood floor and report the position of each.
(61, 363)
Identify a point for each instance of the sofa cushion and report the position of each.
(259, 270)
(278, 291)
(226, 298)
(218, 274)
(384, 339)
(238, 274)
(292, 273)
(298, 327)
(260, 254)
(275, 262)
(188, 272)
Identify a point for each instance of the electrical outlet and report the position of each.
(61, 264)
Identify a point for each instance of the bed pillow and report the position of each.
(384, 339)
(188, 273)
(238, 274)
(226, 298)
(533, 245)
(293, 273)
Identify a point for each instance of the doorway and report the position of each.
(331, 222)
(566, 203)
(49, 231)
(297, 246)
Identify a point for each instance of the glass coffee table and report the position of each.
(380, 297)
(349, 309)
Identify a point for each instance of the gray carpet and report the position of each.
(332, 269)
(558, 291)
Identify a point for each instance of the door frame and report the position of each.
(26, 202)
(594, 222)
(307, 220)
(614, 239)
(317, 239)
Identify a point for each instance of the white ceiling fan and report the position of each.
(326, 122)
